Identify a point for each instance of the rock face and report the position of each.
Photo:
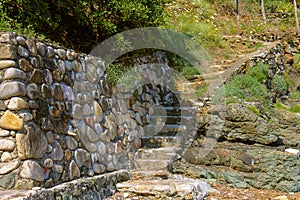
(6, 145)
(12, 89)
(33, 144)
(249, 153)
(8, 167)
(241, 124)
(17, 103)
(32, 170)
(11, 121)
(243, 166)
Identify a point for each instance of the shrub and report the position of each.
(83, 24)
(259, 72)
(115, 72)
(189, 72)
(295, 94)
(245, 86)
(279, 84)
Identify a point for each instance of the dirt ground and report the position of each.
(229, 193)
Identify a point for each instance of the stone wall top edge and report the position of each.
(8, 37)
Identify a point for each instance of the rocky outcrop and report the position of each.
(249, 153)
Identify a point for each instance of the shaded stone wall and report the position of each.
(59, 118)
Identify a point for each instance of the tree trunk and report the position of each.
(238, 17)
(264, 14)
(296, 17)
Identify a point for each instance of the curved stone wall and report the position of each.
(59, 118)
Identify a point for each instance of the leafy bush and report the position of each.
(244, 86)
(295, 94)
(82, 24)
(279, 84)
(259, 72)
(115, 73)
(189, 72)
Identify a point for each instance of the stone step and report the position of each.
(160, 141)
(173, 188)
(150, 175)
(184, 108)
(151, 165)
(171, 119)
(212, 75)
(166, 129)
(159, 153)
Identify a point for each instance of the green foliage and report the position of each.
(254, 110)
(280, 106)
(82, 24)
(115, 72)
(298, 121)
(279, 84)
(245, 87)
(295, 109)
(295, 94)
(196, 18)
(296, 62)
(189, 72)
(259, 72)
(230, 100)
(201, 90)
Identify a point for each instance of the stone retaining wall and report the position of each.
(59, 118)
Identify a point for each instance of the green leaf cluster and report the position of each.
(82, 24)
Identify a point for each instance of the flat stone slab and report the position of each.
(176, 187)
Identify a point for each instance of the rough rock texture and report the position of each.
(32, 170)
(56, 105)
(97, 187)
(11, 121)
(249, 153)
(12, 89)
(31, 144)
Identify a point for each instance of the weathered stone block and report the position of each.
(33, 144)
(17, 103)
(7, 145)
(8, 167)
(7, 63)
(10, 121)
(12, 89)
(14, 73)
(7, 51)
(32, 170)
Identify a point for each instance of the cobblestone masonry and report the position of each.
(59, 118)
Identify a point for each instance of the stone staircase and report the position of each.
(173, 132)
(166, 137)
